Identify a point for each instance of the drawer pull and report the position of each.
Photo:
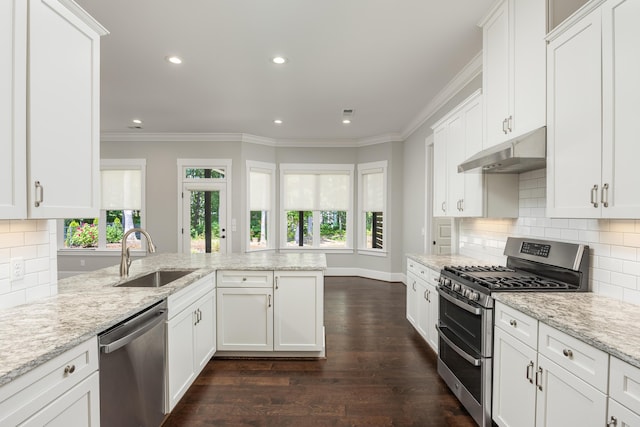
(539, 378)
(244, 279)
(513, 322)
(613, 421)
(69, 369)
(567, 353)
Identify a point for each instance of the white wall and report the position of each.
(35, 242)
(614, 244)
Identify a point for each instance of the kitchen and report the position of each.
(614, 242)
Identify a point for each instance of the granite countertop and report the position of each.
(87, 304)
(605, 323)
(437, 262)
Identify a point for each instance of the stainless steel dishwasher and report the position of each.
(132, 370)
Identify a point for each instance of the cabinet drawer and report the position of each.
(578, 357)
(619, 415)
(517, 324)
(624, 384)
(418, 269)
(182, 299)
(29, 393)
(244, 279)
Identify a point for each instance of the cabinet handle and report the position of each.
(69, 369)
(604, 195)
(462, 205)
(613, 421)
(504, 126)
(39, 200)
(276, 282)
(510, 123)
(567, 353)
(195, 318)
(244, 279)
(539, 379)
(513, 322)
(425, 296)
(594, 195)
(269, 300)
(529, 373)
(414, 285)
(443, 206)
(199, 315)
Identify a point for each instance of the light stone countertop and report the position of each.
(87, 304)
(605, 323)
(437, 262)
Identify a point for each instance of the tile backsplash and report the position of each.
(615, 244)
(34, 241)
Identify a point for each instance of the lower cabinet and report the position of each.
(191, 337)
(62, 392)
(422, 301)
(245, 319)
(560, 382)
(624, 394)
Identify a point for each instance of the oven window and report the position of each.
(469, 376)
(466, 326)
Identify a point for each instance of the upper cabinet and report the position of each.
(50, 108)
(458, 136)
(513, 69)
(592, 135)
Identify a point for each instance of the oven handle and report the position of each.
(462, 353)
(471, 309)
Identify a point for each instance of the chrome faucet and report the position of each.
(125, 260)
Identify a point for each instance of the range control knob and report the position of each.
(447, 283)
(456, 287)
(474, 296)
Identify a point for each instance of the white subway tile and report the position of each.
(632, 239)
(631, 267)
(622, 225)
(600, 250)
(44, 250)
(624, 253)
(5, 254)
(537, 231)
(5, 287)
(11, 240)
(560, 223)
(624, 280)
(12, 299)
(524, 212)
(603, 224)
(612, 238)
(53, 248)
(538, 212)
(36, 265)
(37, 292)
(631, 296)
(552, 233)
(43, 224)
(18, 226)
(573, 235)
(5, 225)
(609, 290)
(601, 275)
(578, 224)
(611, 264)
(5, 270)
(589, 236)
(26, 252)
(36, 237)
(44, 277)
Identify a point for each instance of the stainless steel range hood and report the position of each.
(525, 153)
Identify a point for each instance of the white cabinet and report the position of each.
(513, 69)
(62, 392)
(191, 336)
(593, 63)
(50, 110)
(553, 380)
(298, 311)
(422, 301)
(458, 136)
(245, 319)
(624, 394)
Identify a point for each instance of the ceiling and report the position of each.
(386, 59)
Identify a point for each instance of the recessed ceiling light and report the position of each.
(346, 121)
(277, 121)
(137, 121)
(174, 59)
(279, 60)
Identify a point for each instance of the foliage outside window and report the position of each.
(372, 181)
(260, 201)
(84, 232)
(316, 203)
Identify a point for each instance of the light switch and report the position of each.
(17, 268)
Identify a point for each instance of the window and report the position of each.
(260, 202)
(316, 206)
(372, 184)
(122, 193)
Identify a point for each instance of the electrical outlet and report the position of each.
(17, 268)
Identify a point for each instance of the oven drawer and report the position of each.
(624, 384)
(578, 357)
(516, 324)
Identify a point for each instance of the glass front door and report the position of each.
(204, 223)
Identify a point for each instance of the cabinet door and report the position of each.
(412, 300)
(455, 156)
(495, 75)
(440, 171)
(566, 400)
(514, 393)
(619, 416)
(244, 319)
(13, 109)
(205, 331)
(432, 317)
(422, 303)
(621, 91)
(527, 59)
(78, 407)
(298, 311)
(180, 354)
(63, 111)
(574, 137)
(473, 200)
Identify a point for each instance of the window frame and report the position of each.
(316, 169)
(264, 167)
(364, 169)
(110, 164)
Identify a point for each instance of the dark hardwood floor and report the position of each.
(378, 372)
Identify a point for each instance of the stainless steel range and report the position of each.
(465, 324)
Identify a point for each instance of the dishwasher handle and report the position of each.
(141, 330)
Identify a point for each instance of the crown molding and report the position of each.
(459, 81)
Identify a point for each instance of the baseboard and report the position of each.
(366, 273)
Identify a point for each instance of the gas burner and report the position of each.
(526, 282)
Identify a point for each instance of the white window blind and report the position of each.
(322, 191)
(121, 189)
(373, 191)
(259, 190)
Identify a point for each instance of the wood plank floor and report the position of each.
(378, 372)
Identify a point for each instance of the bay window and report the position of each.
(260, 201)
(372, 185)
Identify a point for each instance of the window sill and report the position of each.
(373, 252)
(99, 252)
(319, 250)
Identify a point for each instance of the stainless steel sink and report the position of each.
(156, 279)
